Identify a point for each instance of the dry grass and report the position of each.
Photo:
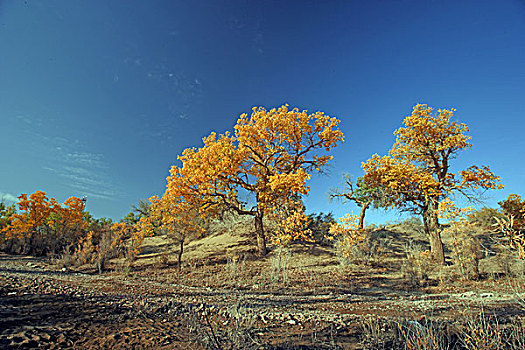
(400, 268)
(468, 332)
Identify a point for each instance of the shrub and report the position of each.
(426, 335)
(481, 332)
(353, 245)
(96, 248)
(512, 238)
(466, 254)
(359, 250)
(279, 265)
(235, 265)
(466, 249)
(470, 332)
(417, 266)
(232, 223)
(319, 226)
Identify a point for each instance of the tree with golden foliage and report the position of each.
(347, 228)
(6, 217)
(512, 225)
(416, 173)
(67, 223)
(44, 225)
(262, 167)
(514, 207)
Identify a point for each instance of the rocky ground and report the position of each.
(44, 306)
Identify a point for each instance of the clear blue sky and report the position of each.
(98, 98)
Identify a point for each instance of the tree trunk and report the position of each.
(431, 224)
(100, 263)
(364, 207)
(261, 238)
(181, 250)
(28, 244)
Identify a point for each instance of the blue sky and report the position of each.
(98, 98)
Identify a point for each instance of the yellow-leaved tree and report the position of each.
(512, 225)
(514, 207)
(416, 173)
(177, 218)
(259, 169)
(44, 226)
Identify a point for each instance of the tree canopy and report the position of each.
(259, 169)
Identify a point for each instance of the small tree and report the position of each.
(514, 207)
(67, 223)
(178, 219)
(260, 169)
(513, 225)
(364, 196)
(139, 210)
(417, 173)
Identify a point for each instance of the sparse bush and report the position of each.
(512, 238)
(469, 332)
(66, 259)
(516, 337)
(234, 266)
(353, 245)
(279, 265)
(97, 247)
(380, 334)
(427, 335)
(417, 266)
(362, 250)
(163, 259)
(507, 264)
(466, 254)
(511, 258)
(319, 226)
(211, 334)
(481, 332)
(466, 249)
(110, 245)
(232, 223)
(85, 251)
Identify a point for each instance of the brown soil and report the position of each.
(224, 299)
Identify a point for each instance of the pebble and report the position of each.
(468, 294)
